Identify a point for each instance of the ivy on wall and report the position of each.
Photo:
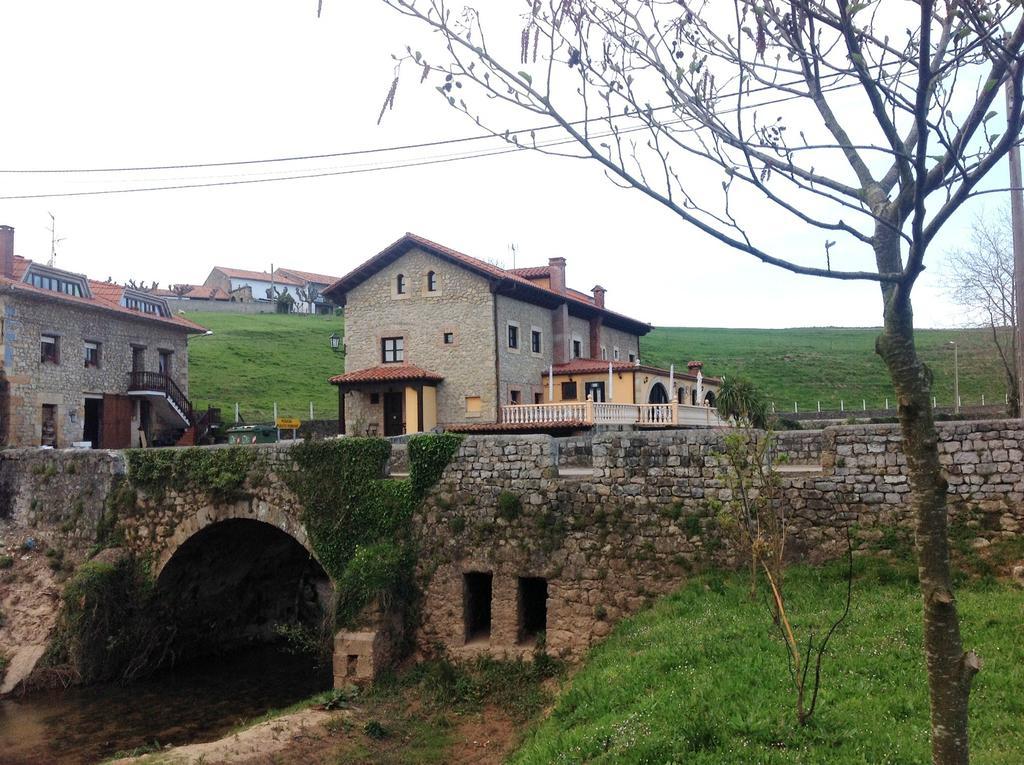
(219, 472)
(358, 521)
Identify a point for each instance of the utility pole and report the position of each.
(1017, 219)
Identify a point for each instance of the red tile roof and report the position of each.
(106, 296)
(588, 366)
(386, 373)
(307, 276)
(532, 272)
(524, 288)
(259, 276)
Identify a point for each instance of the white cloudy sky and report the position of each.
(104, 84)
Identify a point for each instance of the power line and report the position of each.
(379, 167)
(358, 152)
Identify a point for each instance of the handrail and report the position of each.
(158, 382)
(604, 413)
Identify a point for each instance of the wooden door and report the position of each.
(116, 430)
(393, 404)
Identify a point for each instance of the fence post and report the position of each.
(310, 411)
(887, 404)
(864, 404)
(796, 408)
(236, 414)
(275, 422)
(590, 409)
(983, 399)
(933, 402)
(842, 405)
(819, 407)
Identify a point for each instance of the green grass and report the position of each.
(256, 360)
(701, 678)
(827, 364)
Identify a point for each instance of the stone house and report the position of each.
(88, 361)
(262, 286)
(436, 338)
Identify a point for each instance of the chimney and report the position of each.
(557, 266)
(7, 251)
(695, 366)
(599, 293)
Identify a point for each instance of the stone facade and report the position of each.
(68, 383)
(643, 520)
(462, 305)
(583, 548)
(521, 369)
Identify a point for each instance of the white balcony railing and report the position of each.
(601, 413)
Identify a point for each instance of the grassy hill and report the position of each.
(702, 678)
(827, 364)
(255, 360)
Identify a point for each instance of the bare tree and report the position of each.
(309, 295)
(181, 289)
(868, 123)
(980, 279)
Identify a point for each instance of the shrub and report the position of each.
(508, 506)
(6, 561)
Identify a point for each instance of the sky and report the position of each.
(128, 84)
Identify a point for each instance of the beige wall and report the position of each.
(621, 393)
(463, 304)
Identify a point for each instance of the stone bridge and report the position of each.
(522, 536)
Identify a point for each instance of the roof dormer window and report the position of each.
(143, 303)
(56, 281)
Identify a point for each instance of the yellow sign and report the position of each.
(288, 423)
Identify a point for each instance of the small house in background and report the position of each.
(436, 338)
(304, 290)
(89, 362)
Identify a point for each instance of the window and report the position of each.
(392, 350)
(165, 362)
(92, 354)
(515, 397)
(54, 284)
(615, 353)
(474, 406)
(535, 341)
(513, 336)
(538, 398)
(431, 281)
(533, 607)
(374, 399)
(49, 349)
(476, 599)
(632, 357)
(145, 306)
(568, 391)
(604, 353)
(400, 284)
(138, 359)
(577, 348)
(449, 338)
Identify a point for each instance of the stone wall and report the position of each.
(521, 368)
(644, 520)
(462, 304)
(65, 384)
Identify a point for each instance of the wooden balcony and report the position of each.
(600, 413)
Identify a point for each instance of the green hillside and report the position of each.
(827, 364)
(701, 678)
(255, 360)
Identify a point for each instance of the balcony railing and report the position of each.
(601, 413)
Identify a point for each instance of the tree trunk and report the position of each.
(950, 670)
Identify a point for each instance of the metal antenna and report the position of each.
(53, 240)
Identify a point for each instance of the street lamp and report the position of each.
(956, 376)
(335, 341)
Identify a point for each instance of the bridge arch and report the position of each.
(243, 510)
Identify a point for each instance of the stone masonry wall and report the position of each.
(462, 304)
(644, 520)
(33, 384)
(521, 368)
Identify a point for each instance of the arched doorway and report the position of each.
(709, 398)
(681, 396)
(658, 394)
(239, 582)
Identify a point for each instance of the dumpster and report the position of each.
(252, 434)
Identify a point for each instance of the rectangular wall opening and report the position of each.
(533, 607)
(476, 598)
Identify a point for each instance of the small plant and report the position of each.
(457, 524)
(508, 506)
(6, 561)
(600, 613)
(692, 526)
(375, 730)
